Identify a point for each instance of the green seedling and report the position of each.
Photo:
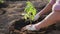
(48, 0)
(30, 11)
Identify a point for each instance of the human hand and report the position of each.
(29, 27)
(36, 17)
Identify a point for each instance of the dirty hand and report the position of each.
(29, 27)
(36, 17)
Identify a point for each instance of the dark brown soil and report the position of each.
(11, 11)
(16, 27)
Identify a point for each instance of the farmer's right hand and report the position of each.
(36, 16)
(29, 27)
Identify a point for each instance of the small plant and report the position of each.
(1, 1)
(48, 0)
(30, 11)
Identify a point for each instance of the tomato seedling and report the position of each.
(30, 11)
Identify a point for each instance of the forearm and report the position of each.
(46, 9)
(43, 11)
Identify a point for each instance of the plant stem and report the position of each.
(30, 22)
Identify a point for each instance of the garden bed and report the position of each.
(10, 12)
(15, 28)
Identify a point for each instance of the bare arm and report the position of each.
(47, 21)
(47, 8)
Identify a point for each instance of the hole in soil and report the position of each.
(21, 23)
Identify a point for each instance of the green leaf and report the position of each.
(30, 11)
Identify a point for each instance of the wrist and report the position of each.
(36, 17)
(37, 27)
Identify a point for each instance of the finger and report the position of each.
(23, 29)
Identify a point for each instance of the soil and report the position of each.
(16, 27)
(10, 12)
(3, 5)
